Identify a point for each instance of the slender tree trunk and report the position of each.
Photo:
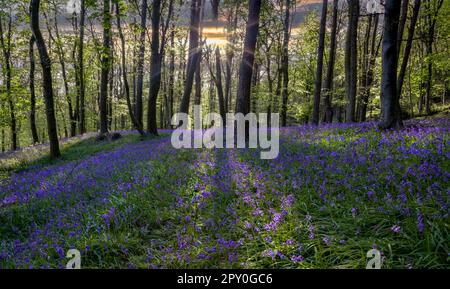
(194, 55)
(111, 84)
(285, 61)
(401, 24)
(328, 85)
(390, 105)
(365, 59)
(198, 81)
(229, 60)
(369, 73)
(126, 85)
(81, 88)
(47, 79)
(58, 43)
(408, 46)
(351, 58)
(140, 65)
(105, 62)
(320, 49)
(171, 73)
(34, 132)
(432, 14)
(6, 47)
(155, 69)
(219, 85)
(248, 58)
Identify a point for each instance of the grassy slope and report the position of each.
(197, 208)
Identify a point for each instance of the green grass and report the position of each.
(72, 150)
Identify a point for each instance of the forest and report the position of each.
(88, 94)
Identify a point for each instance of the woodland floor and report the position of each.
(334, 193)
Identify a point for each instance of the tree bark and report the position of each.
(105, 63)
(194, 54)
(285, 61)
(408, 46)
(401, 24)
(351, 58)
(390, 105)
(6, 47)
(140, 66)
(328, 85)
(171, 74)
(320, 49)
(34, 132)
(248, 58)
(126, 85)
(369, 73)
(81, 88)
(219, 85)
(432, 14)
(62, 62)
(46, 79)
(155, 69)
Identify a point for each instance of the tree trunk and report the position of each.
(248, 58)
(320, 49)
(155, 69)
(285, 61)
(46, 79)
(60, 51)
(194, 54)
(369, 73)
(390, 105)
(401, 24)
(219, 85)
(81, 89)
(6, 47)
(432, 14)
(34, 132)
(328, 85)
(408, 46)
(198, 82)
(105, 63)
(351, 58)
(362, 103)
(126, 85)
(140, 66)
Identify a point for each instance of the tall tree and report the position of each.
(285, 61)
(402, 23)
(155, 68)
(328, 85)
(408, 46)
(105, 63)
(368, 78)
(170, 94)
(194, 54)
(126, 85)
(248, 57)
(34, 132)
(390, 103)
(46, 79)
(320, 49)
(432, 8)
(351, 59)
(61, 57)
(81, 112)
(140, 66)
(6, 48)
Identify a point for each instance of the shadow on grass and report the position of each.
(75, 150)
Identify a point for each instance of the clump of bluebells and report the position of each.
(333, 192)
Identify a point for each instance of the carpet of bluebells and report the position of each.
(334, 193)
